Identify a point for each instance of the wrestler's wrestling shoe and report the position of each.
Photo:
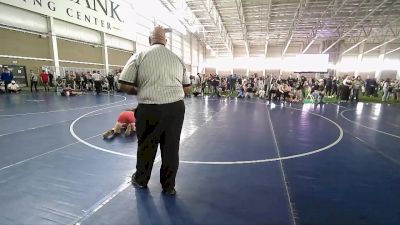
(109, 134)
(128, 130)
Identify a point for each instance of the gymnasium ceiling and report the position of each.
(254, 24)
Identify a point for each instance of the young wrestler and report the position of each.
(126, 120)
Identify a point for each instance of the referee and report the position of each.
(157, 76)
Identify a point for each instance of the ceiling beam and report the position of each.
(355, 26)
(214, 16)
(353, 14)
(321, 27)
(355, 45)
(309, 45)
(269, 5)
(383, 44)
(396, 49)
(239, 8)
(296, 19)
(369, 34)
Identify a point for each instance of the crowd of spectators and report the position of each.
(294, 88)
(7, 82)
(70, 82)
(87, 81)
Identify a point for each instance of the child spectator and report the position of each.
(13, 87)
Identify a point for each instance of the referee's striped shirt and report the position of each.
(159, 75)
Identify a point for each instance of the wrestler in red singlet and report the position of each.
(126, 117)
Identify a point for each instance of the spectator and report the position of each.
(110, 79)
(44, 77)
(97, 82)
(396, 90)
(302, 87)
(286, 90)
(335, 86)
(273, 90)
(34, 80)
(13, 87)
(249, 90)
(386, 92)
(197, 85)
(240, 91)
(328, 86)
(7, 76)
(51, 78)
(116, 77)
(346, 88)
(77, 81)
(319, 92)
(280, 91)
(215, 83)
(357, 84)
(2, 88)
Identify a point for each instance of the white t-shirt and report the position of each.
(96, 77)
(386, 85)
(13, 87)
(34, 77)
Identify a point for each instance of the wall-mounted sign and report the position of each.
(115, 17)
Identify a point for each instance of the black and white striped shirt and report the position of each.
(159, 75)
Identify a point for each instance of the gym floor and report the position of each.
(242, 162)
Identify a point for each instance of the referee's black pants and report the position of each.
(158, 124)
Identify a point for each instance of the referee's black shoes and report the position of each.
(137, 184)
(169, 192)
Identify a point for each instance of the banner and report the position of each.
(116, 17)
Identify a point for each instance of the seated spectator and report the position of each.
(240, 91)
(13, 87)
(286, 90)
(279, 91)
(260, 93)
(2, 87)
(249, 90)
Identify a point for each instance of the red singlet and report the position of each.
(126, 117)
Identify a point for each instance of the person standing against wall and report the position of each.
(116, 77)
(158, 78)
(44, 76)
(7, 76)
(110, 79)
(51, 78)
(34, 80)
(97, 81)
